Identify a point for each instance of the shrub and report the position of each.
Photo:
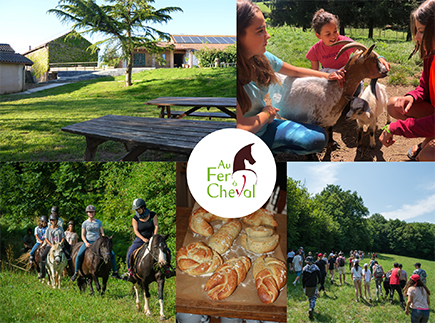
(207, 56)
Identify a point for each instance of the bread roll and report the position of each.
(227, 277)
(223, 238)
(199, 222)
(259, 239)
(270, 276)
(261, 217)
(198, 259)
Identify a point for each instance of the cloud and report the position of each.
(320, 175)
(408, 211)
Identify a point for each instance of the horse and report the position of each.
(56, 262)
(97, 262)
(149, 265)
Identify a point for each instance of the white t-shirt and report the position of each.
(296, 262)
(367, 275)
(419, 297)
(357, 273)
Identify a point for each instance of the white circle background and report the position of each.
(223, 145)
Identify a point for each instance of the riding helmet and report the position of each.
(137, 203)
(309, 260)
(71, 222)
(43, 218)
(91, 208)
(54, 216)
(54, 210)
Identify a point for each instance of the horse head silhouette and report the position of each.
(239, 163)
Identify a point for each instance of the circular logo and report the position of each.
(231, 173)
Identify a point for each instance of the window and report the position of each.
(139, 60)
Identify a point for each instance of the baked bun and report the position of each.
(227, 277)
(199, 222)
(223, 238)
(259, 239)
(261, 217)
(198, 259)
(270, 276)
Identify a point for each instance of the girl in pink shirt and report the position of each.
(416, 110)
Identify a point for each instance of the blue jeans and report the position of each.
(137, 243)
(419, 316)
(285, 136)
(37, 244)
(81, 254)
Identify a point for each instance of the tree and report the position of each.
(123, 21)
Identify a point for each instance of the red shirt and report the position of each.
(394, 279)
(319, 52)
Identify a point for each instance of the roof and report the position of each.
(197, 42)
(8, 55)
(50, 41)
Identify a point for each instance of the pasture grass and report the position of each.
(339, 303)
(25, 299)
(30, 123)
(291, 44)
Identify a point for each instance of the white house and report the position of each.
(12, 70)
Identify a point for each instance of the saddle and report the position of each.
(133, 258)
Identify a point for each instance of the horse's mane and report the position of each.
(101, 241)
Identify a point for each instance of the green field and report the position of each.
(338, 305)
(30, 124)
(292, 44)
(25, 299)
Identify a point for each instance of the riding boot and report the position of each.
(70, 267)
(43, 271)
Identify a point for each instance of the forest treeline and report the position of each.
(335, 219)
(29, 190)
(392, 14)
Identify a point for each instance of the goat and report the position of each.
(366, 109)
(316, 100)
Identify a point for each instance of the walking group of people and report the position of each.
(314, 273)
(144, 224)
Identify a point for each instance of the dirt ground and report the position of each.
(345, 134)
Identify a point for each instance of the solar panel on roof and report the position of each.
(178, 39)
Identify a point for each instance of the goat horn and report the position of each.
(350, 45)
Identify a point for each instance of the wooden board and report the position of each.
(178, 136)
(194, 102)
(244, 302)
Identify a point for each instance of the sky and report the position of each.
(404, 191)
(25, 23)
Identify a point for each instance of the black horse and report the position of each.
(97, 262)
(149, 265)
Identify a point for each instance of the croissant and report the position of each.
(223, 238)
(259, 239)
(198, 259)
(261, 217)
(227, 277)
(199, 222)
(270, 276)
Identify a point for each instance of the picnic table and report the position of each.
(196, 103)
(139, 134)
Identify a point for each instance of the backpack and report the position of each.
(387, 277)
(341, 261)
(379, 272)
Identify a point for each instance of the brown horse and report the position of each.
(96, 263)
(149, 266)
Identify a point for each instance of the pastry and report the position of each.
(198, 259)
(227, 277)
(223, 238)
(259, 239)
(270, 276)
(261, 217)
(199, 222)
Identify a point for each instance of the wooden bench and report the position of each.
(209, 115)
(139, 134)
(195, 103)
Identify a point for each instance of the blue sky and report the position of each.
(405, 190)
(26, 22)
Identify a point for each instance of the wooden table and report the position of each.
(269, 312)
(139, 134)
(196, 103)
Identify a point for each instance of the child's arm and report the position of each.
(315, 65)
(255, 123)
(290, 70)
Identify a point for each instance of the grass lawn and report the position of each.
(30, 124)
(292, 44)
(339, 303)
(25, 299)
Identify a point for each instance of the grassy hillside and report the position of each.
(339, 303)
(25, 299)
(30, 124)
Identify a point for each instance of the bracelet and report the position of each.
(381, 56)
(268, 114)
(386, 129)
